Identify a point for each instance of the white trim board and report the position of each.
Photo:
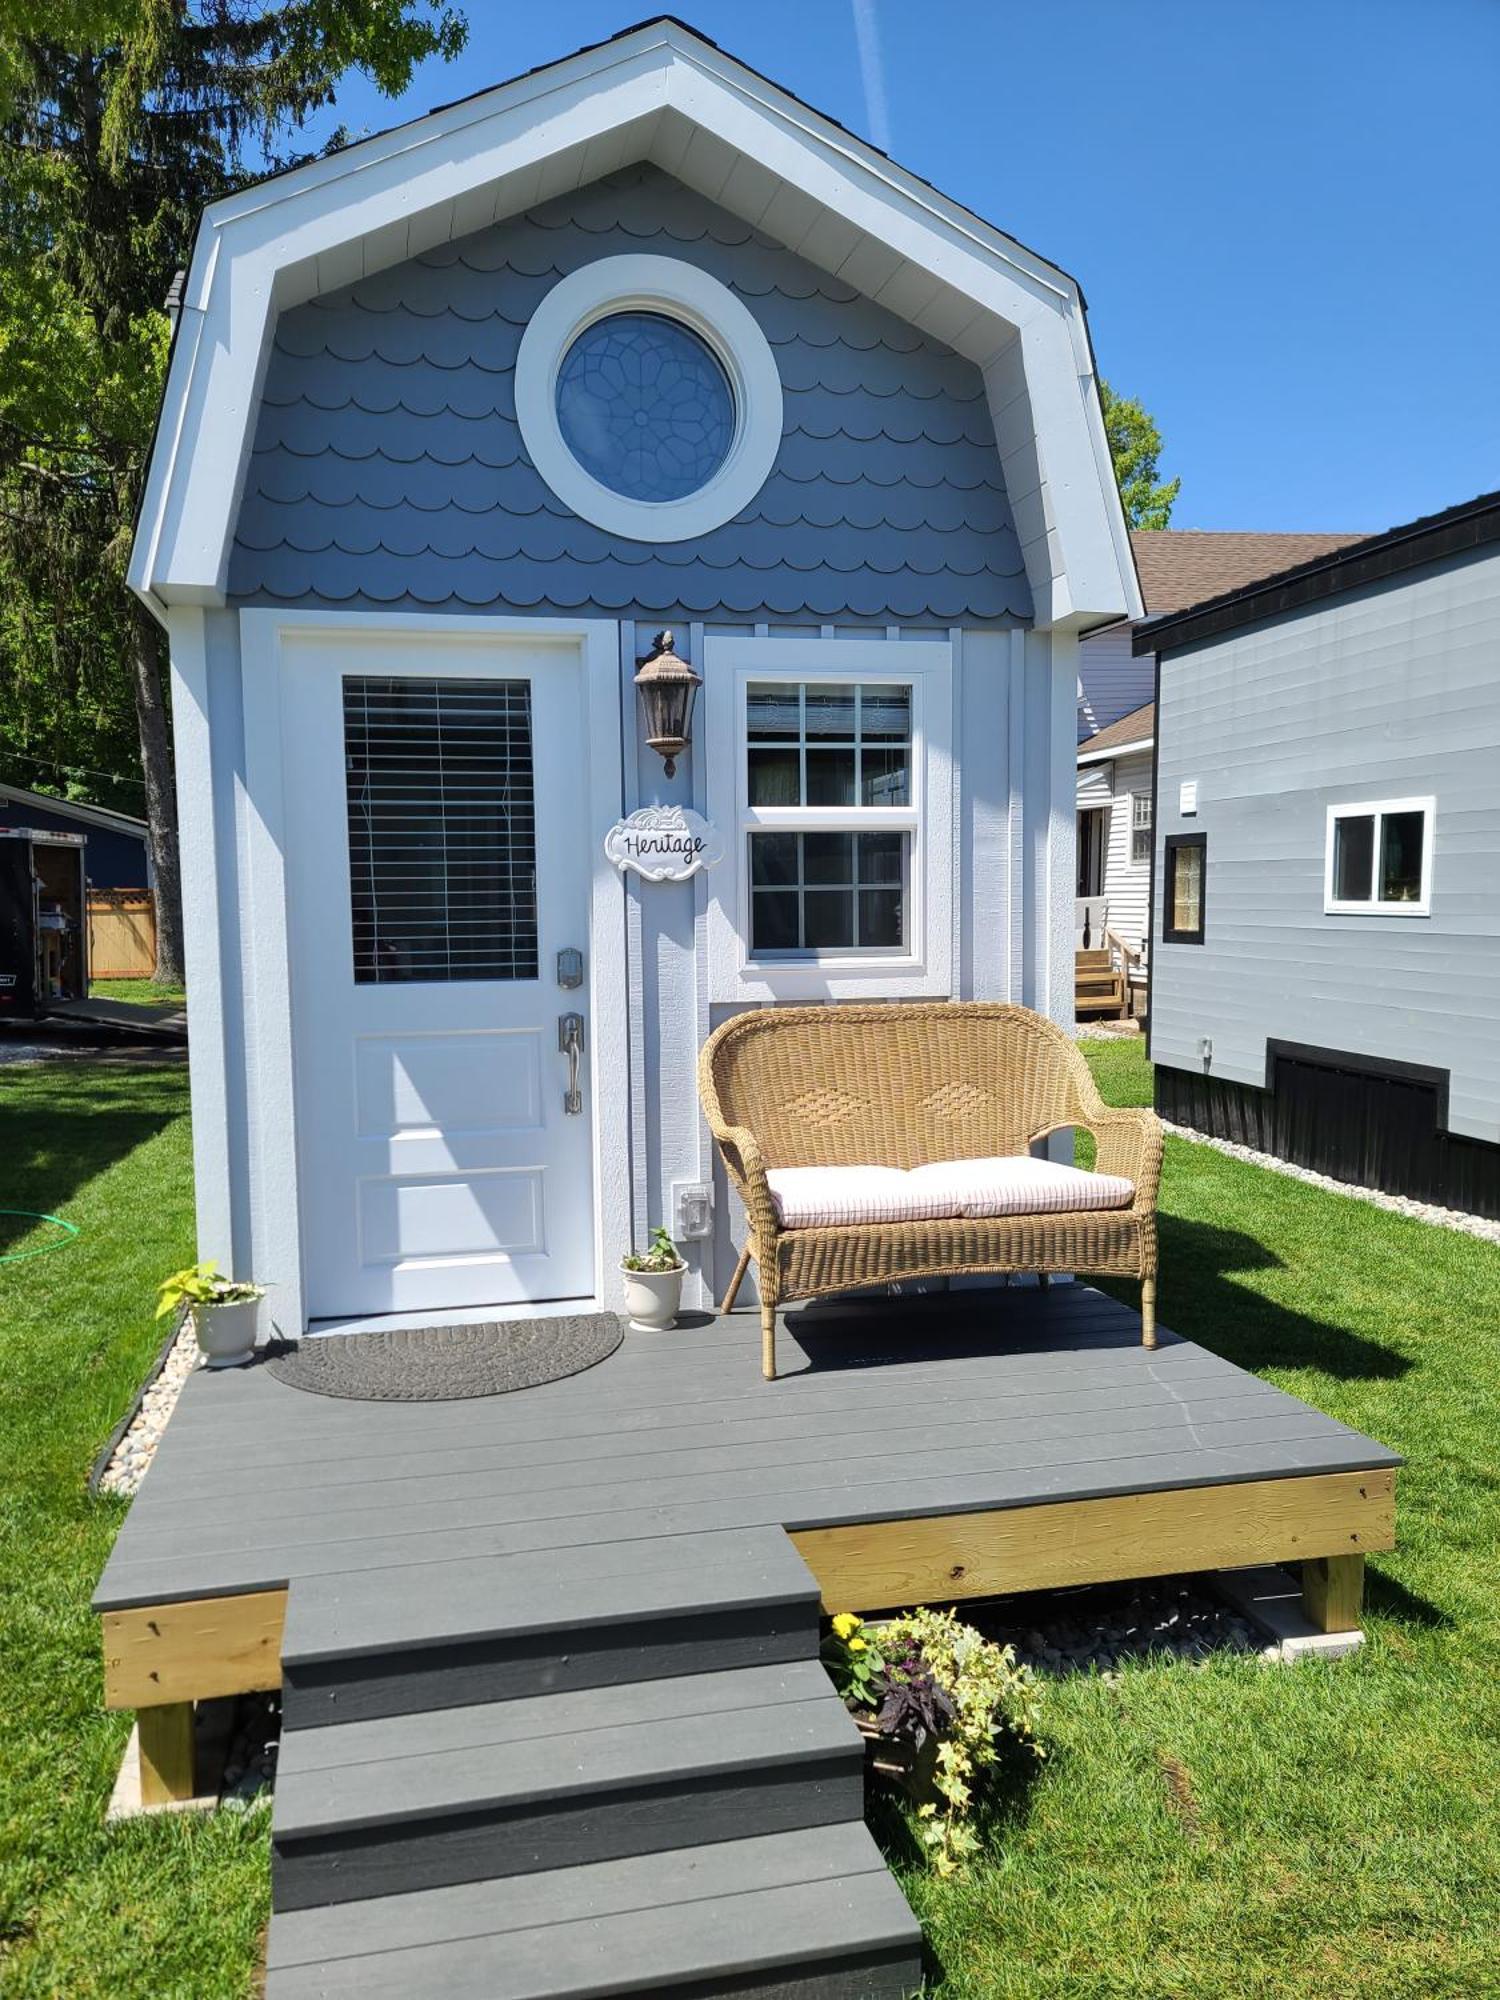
(276, 1232)
(660, 93)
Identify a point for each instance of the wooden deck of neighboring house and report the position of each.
(554, 1721)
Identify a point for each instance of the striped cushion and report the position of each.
(837, 1197)
(1018, 1186)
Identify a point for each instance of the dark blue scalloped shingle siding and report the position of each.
(388, 467)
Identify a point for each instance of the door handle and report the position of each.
(570, 1043)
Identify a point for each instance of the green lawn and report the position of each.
(1224, 1834)
(1320, 1830)
(170, 1907)
(137, 992)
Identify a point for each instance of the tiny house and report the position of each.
(624, 544)
(1326, 957)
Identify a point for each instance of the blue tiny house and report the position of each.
(459, 423)
(1327, 925)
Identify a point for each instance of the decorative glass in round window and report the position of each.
(644, 406)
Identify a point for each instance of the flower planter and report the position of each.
(226, 1334)
(652, 1298)
(898, 1760)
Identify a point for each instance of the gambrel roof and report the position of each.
(657, 93)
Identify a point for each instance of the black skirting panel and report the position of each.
(1375, 1124)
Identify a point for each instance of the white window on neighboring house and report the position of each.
(1378, 859)
(838, 874)
(1140, 827)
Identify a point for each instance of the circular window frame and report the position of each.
(705, 307)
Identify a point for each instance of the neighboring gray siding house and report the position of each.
(1116, 724)
(457, 421)
(1327, 957)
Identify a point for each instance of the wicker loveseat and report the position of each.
(951, 1096)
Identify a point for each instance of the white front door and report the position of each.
(437, 864)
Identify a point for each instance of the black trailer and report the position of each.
(44, 932)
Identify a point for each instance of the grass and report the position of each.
(168, 1908)
(137, 992)
(1328, 1830)
(1318, 1833)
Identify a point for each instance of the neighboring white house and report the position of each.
(1326, 972)
(459, 419)
(1117, 726)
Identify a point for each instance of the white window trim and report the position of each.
(924, 968)
(1376, 809)
(1136, 825)
(684, 293)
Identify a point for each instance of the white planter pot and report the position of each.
(652, 1298)
(226, 1334)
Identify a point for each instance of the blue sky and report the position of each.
(1285, 214)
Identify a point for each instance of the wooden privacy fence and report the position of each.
(122, 933)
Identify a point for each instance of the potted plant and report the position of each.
(934, 1701)
(653, 1284)
(225, 1311)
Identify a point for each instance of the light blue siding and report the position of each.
(1113, 683)
(1392, 692)
(388, 467)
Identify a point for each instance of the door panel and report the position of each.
(436, 864)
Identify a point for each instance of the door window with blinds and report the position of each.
(830, 818)
(442, 829)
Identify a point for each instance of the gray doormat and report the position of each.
(442, 1364)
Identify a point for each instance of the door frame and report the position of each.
(278, 1253)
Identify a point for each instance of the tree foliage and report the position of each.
(1135, 446)
(119, 121)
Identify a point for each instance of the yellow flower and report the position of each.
(858, 1646)
(846, 1624)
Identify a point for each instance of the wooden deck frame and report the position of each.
(161, 1658)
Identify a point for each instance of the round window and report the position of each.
(644, 405)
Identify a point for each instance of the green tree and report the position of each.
(1135, 447)
(119, 120)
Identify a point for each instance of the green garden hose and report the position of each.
(35, 1215)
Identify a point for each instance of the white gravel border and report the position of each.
(1397, 1204)
(136, 1449)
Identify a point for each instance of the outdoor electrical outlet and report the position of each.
(692, 1211)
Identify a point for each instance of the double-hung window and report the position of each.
(1140, 828)
(830, 820)
(832, 756)
(1378, 859)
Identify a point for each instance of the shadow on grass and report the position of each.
(60, 1129)
(1390, 1599)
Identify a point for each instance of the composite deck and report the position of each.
(529, 1643)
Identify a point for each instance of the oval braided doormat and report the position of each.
(442, 1364)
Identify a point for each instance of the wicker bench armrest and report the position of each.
(1128, 1141)
(747, 1168)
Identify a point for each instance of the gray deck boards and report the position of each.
(887, 1409)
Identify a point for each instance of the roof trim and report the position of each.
(659, 92)
(1112, 751)
(101, 816)
(1473, 524)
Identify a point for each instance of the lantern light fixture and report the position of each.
(669, 689)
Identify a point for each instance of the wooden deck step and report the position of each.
(808, 1913)
(554, 1781)
(375, 1642)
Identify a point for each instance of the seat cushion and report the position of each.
(1017, 1185)
(843, 1197)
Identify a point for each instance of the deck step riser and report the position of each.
(889, 1975)
(457, 1674)
(487, 1845)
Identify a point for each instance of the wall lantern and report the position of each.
(669, 688)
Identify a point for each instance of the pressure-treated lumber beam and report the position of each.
(165, 1736)
(937, 1559)
(1333, 1591)
(160, 1653)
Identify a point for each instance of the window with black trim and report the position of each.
(1184, 869)
(1379, 859)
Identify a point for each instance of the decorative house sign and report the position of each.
(664, 843)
